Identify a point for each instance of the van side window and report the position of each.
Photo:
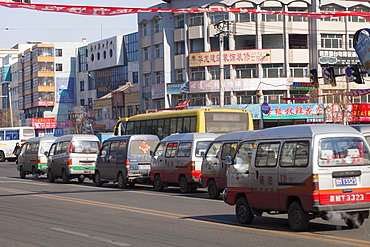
(27, 149)
(104, 150)
(244, 154)
(201, 148)
(267, 154)
(52, 149)
(295, 154)
(171, 150)
(213, 150)
(184, 149)
(113, 148)
(228, 149)
(62, 147)
(122, 148)
(160, 149)
(34, 148)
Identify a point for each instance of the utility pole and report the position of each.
(223, 29)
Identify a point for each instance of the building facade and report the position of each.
(178, 54)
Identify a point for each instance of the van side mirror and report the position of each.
(202, 154)
(46, 153)
(151, 153)
(228, 160)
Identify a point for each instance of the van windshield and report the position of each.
(142, 147)
(86, 147)
(343, 152)
(45, 146)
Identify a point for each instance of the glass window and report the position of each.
(158, 26)
(198, 74)
(142, 146)
(180, 23)
(146, 52)
(196, 19)
(159, 77)
(357, 18)
(184, 149)
(331, 41)
(160, 149)
(58, 67)
(244, 154)
(246, 71)
(179, 47)
(171, 150)
(45, 146)
(245, 17)
(158, 50)
(332, 9)
(147, 80)
(213, 150)
(113, 148)
(58, 52)
(295, 154)
(228, 149)
(201, 148)
(34, 148)
(217, 17)
(298, 18)
(267, 154)
(82, 86)
(298, 70)
(87, 147)
(272, 17)
(146, 29)
(104, 150)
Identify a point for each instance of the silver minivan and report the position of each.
(31, 159)
(125, 159)
(73, 156)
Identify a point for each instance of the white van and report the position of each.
(307, 171)
(125, 159)
(73, 156)
(213, 165)
(177, 160)
(31, 159)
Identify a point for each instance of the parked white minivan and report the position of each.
(73, 156)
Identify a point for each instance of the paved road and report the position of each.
(39, 213)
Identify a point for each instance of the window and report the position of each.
(357, 18)
(272, 17)
(295, 154)
(274, 70)
(159, 78)
(246, 71)
(171, 150)
(82, 102)
(147, 80)
(158, 26)
(135, 77)
(91, 84)
(146, 52)
(215, 72)
(90, 102)
(146, 29)
(196, 19)
(332, 9)
(198, 74)
(160, 150)
(180, 75)
(213, 150)
(158, 50)
(82, 86)
(180, 23)
(58, 67)
(58, 52)
(228, 149)
(245, 17)
(201, 148)
(217, 17)
(179, 47)
(298, 70)
(243, 156)
(266, 155)
(297, 18)
(331, 41)
(184, 149)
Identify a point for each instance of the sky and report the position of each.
(18, 26)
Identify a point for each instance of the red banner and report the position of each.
(112, 11)
(43, 123)
(356, 93)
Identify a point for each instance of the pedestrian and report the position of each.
(16, 151)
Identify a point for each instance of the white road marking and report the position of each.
(109, 241)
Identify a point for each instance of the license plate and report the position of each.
(87, 171)
(144, 167)
(345, 181)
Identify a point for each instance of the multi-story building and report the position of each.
(176, 51)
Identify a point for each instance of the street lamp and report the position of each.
(260, 86)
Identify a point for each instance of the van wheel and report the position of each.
(81, 178)
(2, 156)
(243, 211)
(213, 191)
(184, 185)
(51, 177)
(65, 177)
(35, 175)
(22, 173)
(122, 181)
(298, 219)
(158, 185)
(97, 179)
(354, 220)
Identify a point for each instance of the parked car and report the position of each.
(125, 159)
(31, 159)
(73, 156)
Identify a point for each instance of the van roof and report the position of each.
(304, 130)
(78, 137)
(41, 138)
(135, 137)
(189, 136)
(363, 128)
(234, 136)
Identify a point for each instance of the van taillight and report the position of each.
(193, 165)
(70, 150)
(127, 164)
(315, 182)
(23, 140)
(69, 162)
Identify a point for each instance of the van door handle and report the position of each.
(257, 174)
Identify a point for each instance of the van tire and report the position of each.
(51, 177)
(97, 179)
(298, 219)
(354, 220)
(122, 181)
(184, 185)
(35, 175)
(22, 173)
(213, 191)
(2, 156)
(157, 184)
(65, 177)
(243, 211)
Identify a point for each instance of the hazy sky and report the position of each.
(31, 25)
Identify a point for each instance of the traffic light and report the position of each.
(314, 78)
(332, 76)
(356, 74)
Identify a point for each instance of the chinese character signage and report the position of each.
(64, 90)
(158, 91)
(212, 58)
(296, 111)
(43, 123)
(354, 113)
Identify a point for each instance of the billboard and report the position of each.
(64, 90)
